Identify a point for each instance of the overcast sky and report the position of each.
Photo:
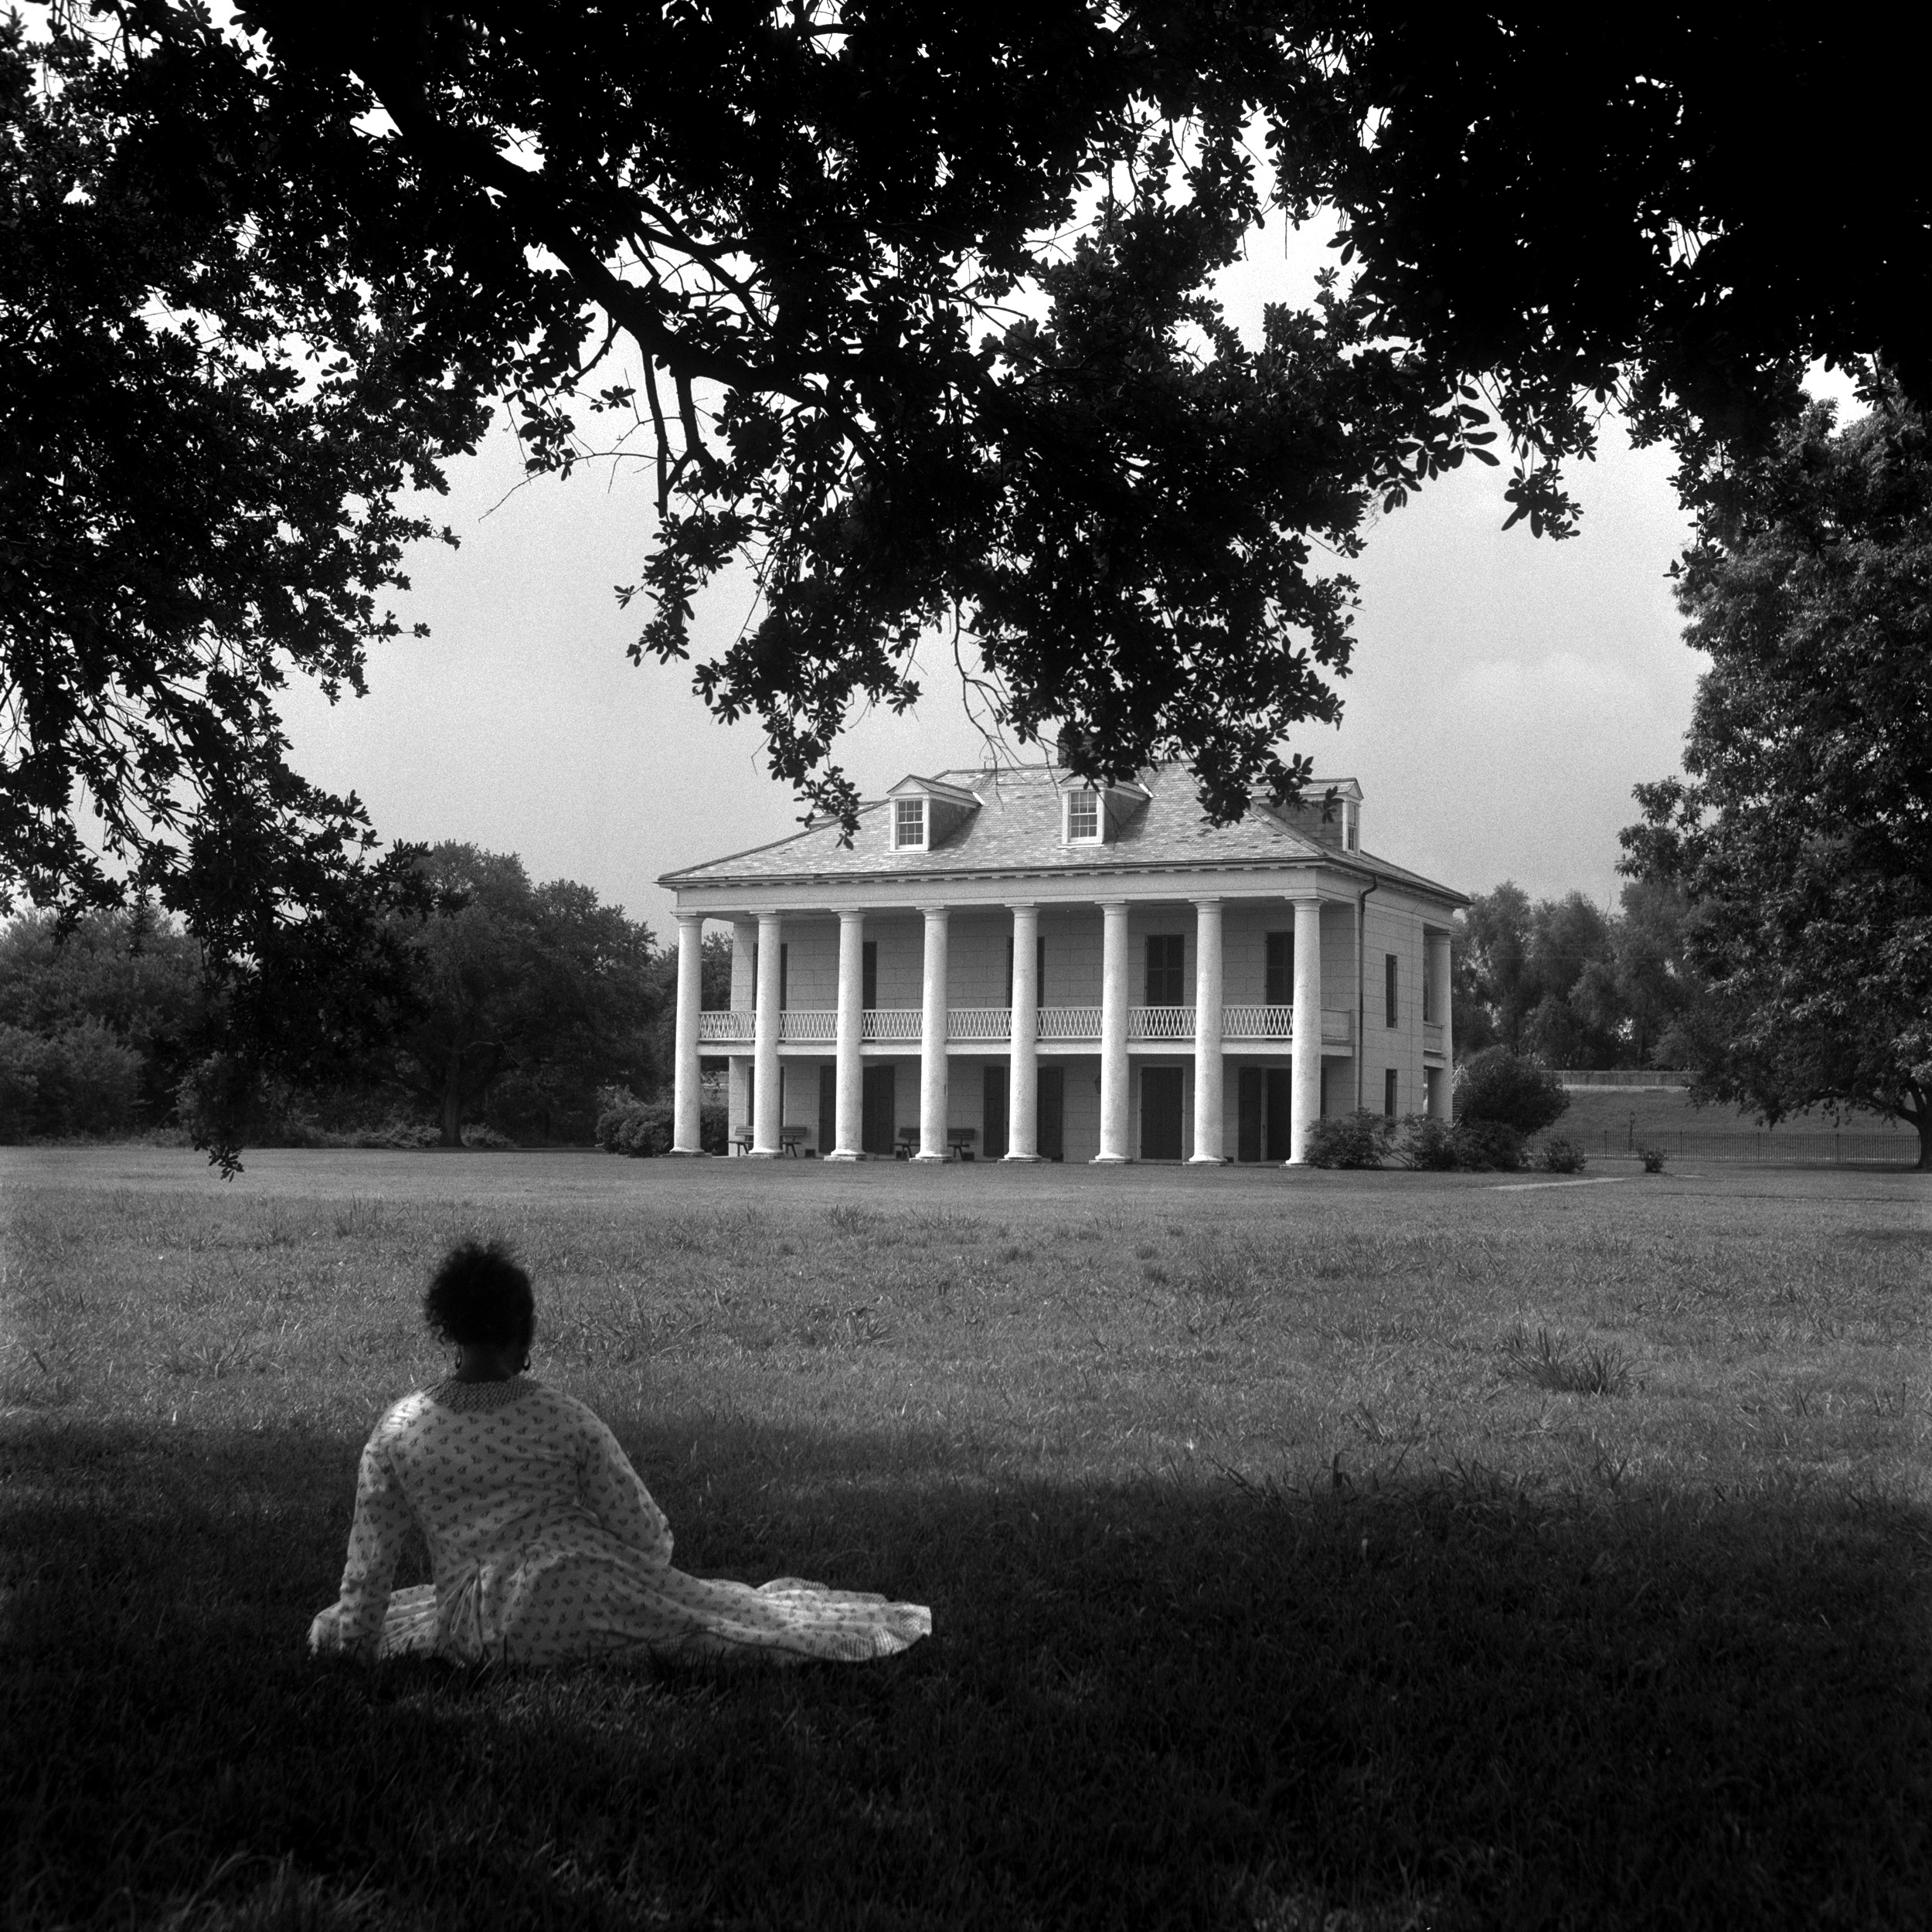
(1506, 692)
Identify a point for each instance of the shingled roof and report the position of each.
(1017, 829)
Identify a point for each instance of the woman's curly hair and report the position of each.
(479, 1295)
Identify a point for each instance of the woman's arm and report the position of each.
(613, 1490)
(354, 1626)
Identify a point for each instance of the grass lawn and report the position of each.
(1353, 1552)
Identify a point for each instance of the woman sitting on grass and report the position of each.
(546, 1545)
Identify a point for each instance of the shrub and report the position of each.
(399, 1130)
(1652, 1159)
(1498, 1085)
(616, 1105)
(1486, 1146)
(486, 1137)
(643, 1128)
(1561, 1156)
(1428, 1144)
(1350, 1140)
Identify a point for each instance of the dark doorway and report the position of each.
(827, 1110)
(1052, 1114)
(1249, 1114)
(992, 1127)
(880, 1126)
(1160, 1114)
(1280, 1112)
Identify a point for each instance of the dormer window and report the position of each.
(1083, 820)
(909, 824)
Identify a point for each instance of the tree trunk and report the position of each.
(452, 1109)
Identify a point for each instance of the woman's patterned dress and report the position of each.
(546, 1547)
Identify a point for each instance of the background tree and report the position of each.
(134, 973)
(1802, 832)
(1647, 993)
(539, 988)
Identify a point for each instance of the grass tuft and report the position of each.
(1547, 1362)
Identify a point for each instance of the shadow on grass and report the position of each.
(1434, 1701)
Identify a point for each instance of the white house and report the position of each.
(1012, 963)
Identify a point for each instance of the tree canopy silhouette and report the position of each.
(905, 304)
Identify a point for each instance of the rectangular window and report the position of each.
(784, 964)
(1166, 966)
(909, 821)
(1389, 1092)
(869, 973)
(1389, 966)
(1428, 994)
(1280, 988)
(1082, 816)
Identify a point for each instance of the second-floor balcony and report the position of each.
(993, 1026)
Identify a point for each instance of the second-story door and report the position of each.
(1166, 969)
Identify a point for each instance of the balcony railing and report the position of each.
(1257, 1022)
(1058, 1024)
(1070, 1022)
(980, 1022)
(1159, 1022)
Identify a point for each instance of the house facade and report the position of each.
(1015, 965)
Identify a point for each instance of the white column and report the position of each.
(1208, 1132)
(1442, 999)
(1022, 1079)
(849, 1108)
(1114, 990)
(686, 1088)
(767, 1120)
(1304, 1080)
(744, 945)
(932, 1040)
